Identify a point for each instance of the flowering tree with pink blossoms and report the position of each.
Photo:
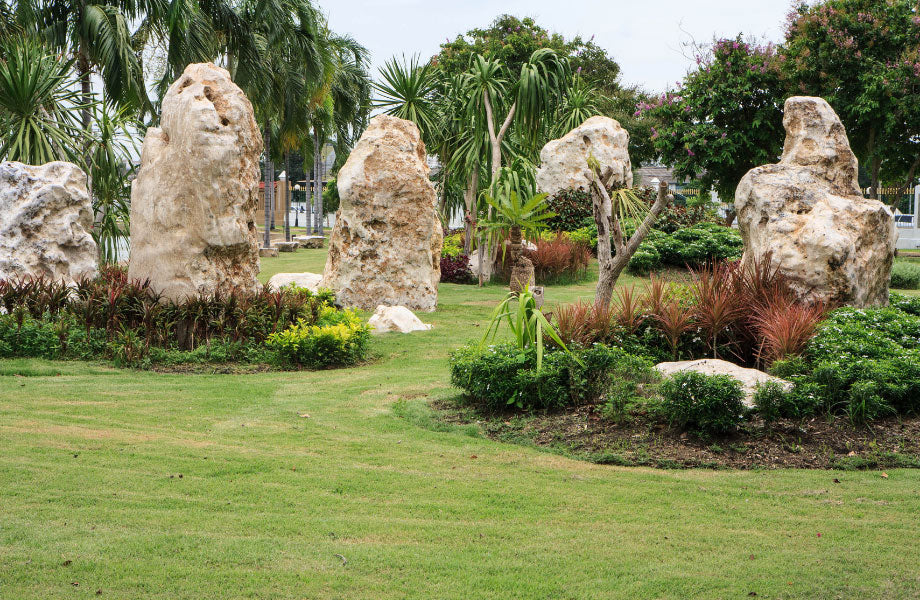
(863, 57)
(725, 118)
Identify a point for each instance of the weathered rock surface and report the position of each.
(311, 281)
(564, 162)
(287, 246)
(193, 202)
(46, 215)
(808, 215)
(395, 318)
(310, 241)
(385, 247)
(748, 378)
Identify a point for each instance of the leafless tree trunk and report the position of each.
(608, 224)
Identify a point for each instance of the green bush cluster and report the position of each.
(905, 276)
(502, 375)
(707, 405)
(688, 247)
(453, 245)
(864, 363)
(572, 207)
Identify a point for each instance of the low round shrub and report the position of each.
(337, 338)
(905, 276)
(572, 207)
(707, 405)
(456, 269)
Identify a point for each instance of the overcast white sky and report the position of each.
(643, 36)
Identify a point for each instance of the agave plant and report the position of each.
(39, 105)
(406, 92)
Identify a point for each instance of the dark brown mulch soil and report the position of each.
(639, 439)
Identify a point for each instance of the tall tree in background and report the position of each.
(339, 109)
(97, 35)
(725, 119)
(513, 41)
(863, 57)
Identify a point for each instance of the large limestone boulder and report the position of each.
(808, 215)
(564, 162)
(385, 247)
(749, 379)
(193, 202)
(395, 318)
(46, 215)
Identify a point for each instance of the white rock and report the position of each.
(396, 318)
(193, 202)
(46, 216)
(564, 162)
(808, 214)
(310, 281)
(385, 247)
(749, 378)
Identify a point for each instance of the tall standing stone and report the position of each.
(564, 162)
(46, 215)
(808, 215)
(193, 203)
(386, 244)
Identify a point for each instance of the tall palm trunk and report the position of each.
(287, 196)
(266, 196)
(317, 186)
(86, 88)
(322, 176)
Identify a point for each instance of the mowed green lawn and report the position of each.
(127, 484)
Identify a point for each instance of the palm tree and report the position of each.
(96, 34)
(579, 103)
(407, 90)
(293, 56)
(340, 109)
(518, 210)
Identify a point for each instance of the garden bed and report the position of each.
(821, 442)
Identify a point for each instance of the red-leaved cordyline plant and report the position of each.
(585, 323)
(629, 309)
(673, 320)
(557, 258)
(656, 294)
(785, 326)
(716, 305)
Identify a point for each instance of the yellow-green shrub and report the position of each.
(337, 338)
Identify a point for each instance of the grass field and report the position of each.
(127, 484)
